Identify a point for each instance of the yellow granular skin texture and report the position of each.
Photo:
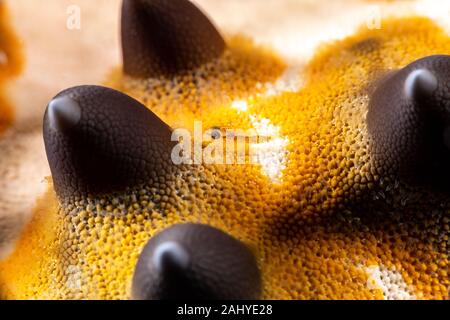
(241, 72)
(10, 65)
(316, 225)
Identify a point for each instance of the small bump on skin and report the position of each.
(99, 140)
(407, 120)
(193, 261)
(166, 38)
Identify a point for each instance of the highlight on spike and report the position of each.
(224, 150)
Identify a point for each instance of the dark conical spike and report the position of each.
(165, 38)
(193, 261)
(99, 140)
(408, 117)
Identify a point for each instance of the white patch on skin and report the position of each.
(290, 81)
(240, 105)
(271, 154)
(389, 281)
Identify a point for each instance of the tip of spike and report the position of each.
(63, 113)
(170, 256)
(420, 84)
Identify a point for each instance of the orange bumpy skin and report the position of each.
(321, 221)
(10, 65)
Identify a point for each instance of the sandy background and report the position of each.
(57, 58)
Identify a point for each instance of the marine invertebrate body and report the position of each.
(325, 209)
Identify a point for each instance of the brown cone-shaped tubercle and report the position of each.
(99, 140)
(409, 122)
(165, 38)
(196, 262)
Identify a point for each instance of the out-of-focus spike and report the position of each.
(165, 38)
